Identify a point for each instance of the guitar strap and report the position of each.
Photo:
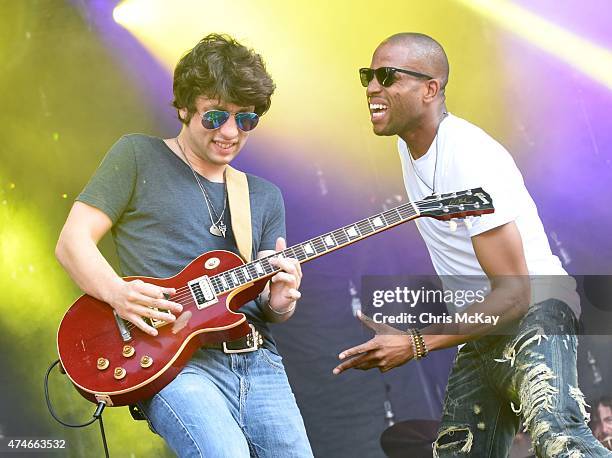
(240, 210)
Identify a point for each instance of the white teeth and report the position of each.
(224, 145)
(377, 106)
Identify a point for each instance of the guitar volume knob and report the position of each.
(119, 373)
(146, 361)
(128, 351)
(102, 364)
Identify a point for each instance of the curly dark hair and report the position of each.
(219, 67)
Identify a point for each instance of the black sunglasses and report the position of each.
(385, 75)
(213, 119)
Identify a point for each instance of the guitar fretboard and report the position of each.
(315, 247)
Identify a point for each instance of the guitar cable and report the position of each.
(97, 415)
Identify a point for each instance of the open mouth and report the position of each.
(377, 110)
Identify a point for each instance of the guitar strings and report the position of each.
(184, 293)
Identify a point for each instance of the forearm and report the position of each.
(507, 302)
(83, 261)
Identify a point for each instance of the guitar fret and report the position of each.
(289, 253)
(240, 275)
(365, 227)
(258, 268)
(352, 232)
(393, 216)
(377, 222)
(245, 272)
(329, 240)
(340, 236)
(406, 212)
(265, 263)
(319, 246)
(301, 254)
(308, 249)
(251, 270)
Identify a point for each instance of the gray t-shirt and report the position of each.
(160, 219)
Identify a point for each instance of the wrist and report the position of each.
(110, 291)
(290, 308)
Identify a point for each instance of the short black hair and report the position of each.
(219, 67)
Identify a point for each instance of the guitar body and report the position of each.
(89, 334)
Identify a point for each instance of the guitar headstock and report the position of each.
(471, 202)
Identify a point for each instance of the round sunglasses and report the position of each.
(213, 119)
(386, 75)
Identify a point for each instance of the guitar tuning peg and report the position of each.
(468, 222)
(452, 225)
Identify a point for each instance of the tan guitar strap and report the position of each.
(240, 209)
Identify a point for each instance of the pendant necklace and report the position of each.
(218, 227)
(432, 188)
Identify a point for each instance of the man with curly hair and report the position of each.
(166, 202)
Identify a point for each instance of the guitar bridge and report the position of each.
(154, 322)
(203, 292)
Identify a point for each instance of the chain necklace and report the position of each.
(432, 188)
(218, 227)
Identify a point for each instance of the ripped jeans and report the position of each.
(499, 382)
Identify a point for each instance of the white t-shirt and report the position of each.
(467, 157)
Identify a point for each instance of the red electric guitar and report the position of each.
(108, 358)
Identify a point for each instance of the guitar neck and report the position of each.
(315, 247)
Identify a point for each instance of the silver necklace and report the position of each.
(218, 227)
(432, 188)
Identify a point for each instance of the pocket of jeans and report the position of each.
(274, 360)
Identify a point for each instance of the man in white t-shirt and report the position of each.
(498, 375)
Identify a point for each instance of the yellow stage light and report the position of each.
(313, 52)
(133, 14)
(593, 60)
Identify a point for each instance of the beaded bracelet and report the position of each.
(418, 343)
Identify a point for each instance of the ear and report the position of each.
(432, 90)
(183, 112)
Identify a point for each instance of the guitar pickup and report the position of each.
(203, 292)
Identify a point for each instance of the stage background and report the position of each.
(74, 78)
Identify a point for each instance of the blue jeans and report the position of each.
(230, 405)
(532, 374)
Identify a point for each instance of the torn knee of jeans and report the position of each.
(559, 444)
(577, 395)
(457, 439)
(520, 343)
(536, 394)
